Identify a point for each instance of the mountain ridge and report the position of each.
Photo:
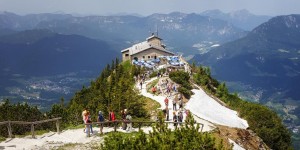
(119, 30)
(240, 18)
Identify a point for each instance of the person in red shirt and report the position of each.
(153, 90)
(167, 102)
(111, 116)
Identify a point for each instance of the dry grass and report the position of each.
(151, 106)
(150, 85)
(245, 138)
(222, 140)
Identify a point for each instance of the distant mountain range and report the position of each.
(15, 22)
(181, 31)
(50, 44)
(241, 18)
(265, 61)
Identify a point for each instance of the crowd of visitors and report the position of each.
(125, 116)
(164, 87)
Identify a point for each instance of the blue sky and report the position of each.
(143, 7)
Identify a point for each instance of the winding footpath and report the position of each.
(207, 126)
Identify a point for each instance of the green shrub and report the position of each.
(2, 138)
(153, 74)
(187, 93)
(162, 70)
(182, 78)
(186, 137)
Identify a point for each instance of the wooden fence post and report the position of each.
(32, 130)
(9, 129)
(57, 127)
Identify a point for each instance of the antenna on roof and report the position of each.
(156, 30)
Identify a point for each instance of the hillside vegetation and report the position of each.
(114, 90)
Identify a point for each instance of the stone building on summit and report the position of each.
(152, 48)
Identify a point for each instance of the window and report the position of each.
(148, 57)
(143, 56)
(126, 55)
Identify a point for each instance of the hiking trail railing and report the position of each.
(9, 123)
(140, 123)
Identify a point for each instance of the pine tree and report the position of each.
(222, 91)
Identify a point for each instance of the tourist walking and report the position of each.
(144, 78)
(88, 123)
(153, 90)
(174, 104)
(83, 118)
(141, 84)
(179, 96)
(167, 114)
(168, 89)
(164, 112)
(180, 104)
(174, 88)
(101, 120)
(180, 118)
(167, 102)
(129, 125)
(123, 115)
(187, 112)
(111, 116)
(175, 119)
